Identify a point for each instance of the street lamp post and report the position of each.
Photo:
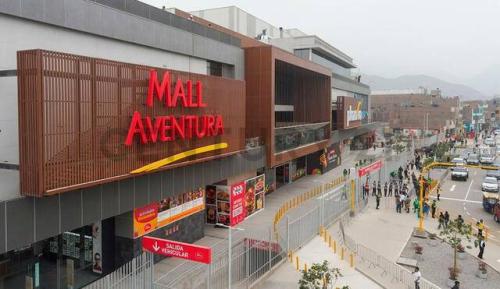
(229, 250)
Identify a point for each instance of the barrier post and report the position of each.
(329, 241)
(351, 260)
(297, 260)
(342, 254)
(334, 247)
(305, 267)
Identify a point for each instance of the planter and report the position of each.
(482, 274)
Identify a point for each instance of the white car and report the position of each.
(458, 161)
(487, 159)
(490, 184)
(489, 141)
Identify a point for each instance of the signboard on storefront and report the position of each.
(167, 211)
(181, 250)
(237, 203)
(254, 194)
(370, 168)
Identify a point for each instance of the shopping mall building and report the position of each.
(120, 120)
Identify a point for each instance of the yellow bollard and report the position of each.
(351, 259)
(297, 260)
(290, 255)
(325, 235)
(334, 247)
(305, 267)
(330, 241)
(342, 254)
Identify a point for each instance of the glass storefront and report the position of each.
(291, 137)
(63, 261)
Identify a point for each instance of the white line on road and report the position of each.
(468, 190)
(458, 200)
(452, 188)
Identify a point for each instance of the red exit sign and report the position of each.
(177, 249)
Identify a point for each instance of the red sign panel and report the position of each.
(177, 249)
(237, 201)
(370, 168)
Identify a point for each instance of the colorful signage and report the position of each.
(167, 211)
(370, 168)
(167, 128)
(237, 203)
(181, 250)
(254, 194)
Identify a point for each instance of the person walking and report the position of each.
(390, 190)
(378, 199)
(457, 285)
(480, 228)
(433, 209)
(446, 219)
(441, 220)
(398, 203)
(460, 221)
(385, 189)
(379, 189)
(416, 205)
(416, 277)
(481, 244)
(438, 192)
(374, 189)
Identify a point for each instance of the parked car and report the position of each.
(473, 159)
(494, 174)
(460, 173)
(458, 162)
(487, 159)
(490, 184)
(489, 141)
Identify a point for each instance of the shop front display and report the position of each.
(298, 168)
(167, 211)
(324, 160)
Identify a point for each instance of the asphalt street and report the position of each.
(465, 198)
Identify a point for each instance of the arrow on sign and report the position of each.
(156, 247)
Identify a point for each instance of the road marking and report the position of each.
(457, 200)
(468, 190)
(452, 188)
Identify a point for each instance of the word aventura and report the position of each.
(169, 127)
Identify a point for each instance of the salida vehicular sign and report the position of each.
(169, 127)
(177, 249)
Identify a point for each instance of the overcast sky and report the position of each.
(450, 39)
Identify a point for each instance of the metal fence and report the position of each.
(136, 274)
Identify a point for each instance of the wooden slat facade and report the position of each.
(74, 113)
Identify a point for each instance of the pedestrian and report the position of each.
(416, 277)
(441, 220)
(433, 209)
(379, 189)
(390, 190)
(480, 228)
(385, 189)
(416, 206)
(367, 190)
(398, 202)
(457, 285)
(460, 221)
(438, 192)
(374, 189)
(446, 219)
(378, 199)
(481, 244)
(426, 209)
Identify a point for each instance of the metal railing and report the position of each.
(136, 274)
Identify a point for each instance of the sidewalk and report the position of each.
(316, 251)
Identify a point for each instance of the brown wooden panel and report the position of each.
(75, 111)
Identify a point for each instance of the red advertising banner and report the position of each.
(370, 168)
(177, 249)
(237, 202)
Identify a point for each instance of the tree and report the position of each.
(319, 276)
(456, 232)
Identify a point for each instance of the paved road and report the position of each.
(465, 198)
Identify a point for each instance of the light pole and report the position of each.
(230, 248)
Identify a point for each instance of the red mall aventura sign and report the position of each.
(177, 249)
(370, 168)
(169, 127)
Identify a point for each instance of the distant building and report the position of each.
(415, 111)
